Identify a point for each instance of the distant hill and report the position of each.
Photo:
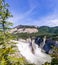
(35, 29)
(24, 31)
(46, 29)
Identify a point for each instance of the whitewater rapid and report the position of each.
(38, 57)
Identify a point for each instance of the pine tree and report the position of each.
(5, 37)
(6, 45)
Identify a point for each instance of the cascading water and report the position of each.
(38, 57)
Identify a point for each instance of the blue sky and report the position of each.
(34, 12)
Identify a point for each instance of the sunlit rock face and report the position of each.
(37, 56)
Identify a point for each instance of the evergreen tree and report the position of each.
(5, 37)
(6, 45)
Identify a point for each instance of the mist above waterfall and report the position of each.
(38, 57)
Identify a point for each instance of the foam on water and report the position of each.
(37, 58)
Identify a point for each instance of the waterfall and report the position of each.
(38, 57)
(43, 43)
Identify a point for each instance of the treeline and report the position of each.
(24, 26)
(50, 30)
(27, 35)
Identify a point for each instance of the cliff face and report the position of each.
(24, 29)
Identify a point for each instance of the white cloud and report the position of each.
(50, 20)
(53, 22)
